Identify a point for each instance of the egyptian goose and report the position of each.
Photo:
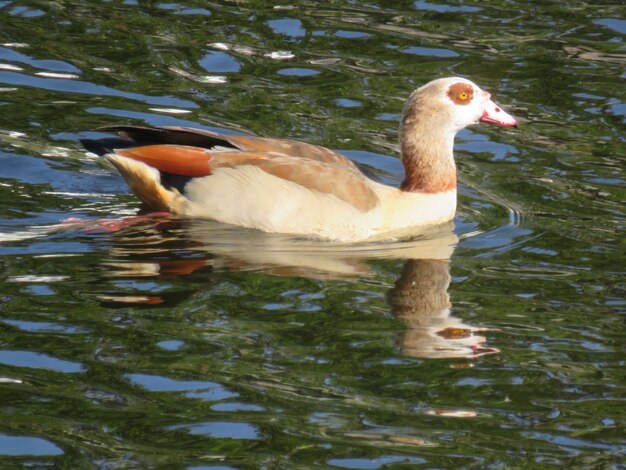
(284, 186)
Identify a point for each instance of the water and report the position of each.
(496, 343)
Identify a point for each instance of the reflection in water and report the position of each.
(419, 297)
(420, 300)
(286, 255)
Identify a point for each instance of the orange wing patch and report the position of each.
(175, 159)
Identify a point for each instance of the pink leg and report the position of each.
(108, 225)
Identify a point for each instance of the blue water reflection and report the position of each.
(25, 446)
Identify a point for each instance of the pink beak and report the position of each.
(494, 114)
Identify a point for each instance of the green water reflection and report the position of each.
(496, 343)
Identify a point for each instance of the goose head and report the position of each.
(432, 116)
(453, 103)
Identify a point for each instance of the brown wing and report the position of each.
(293, 148)
(345, 184)
(316, 175)
(208, 139)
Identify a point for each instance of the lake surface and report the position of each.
(498, 342)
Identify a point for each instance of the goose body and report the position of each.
(284, 186)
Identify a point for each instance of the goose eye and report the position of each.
(461, 93)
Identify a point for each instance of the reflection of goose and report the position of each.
(287, 255)
(419, 298)
(282, 186)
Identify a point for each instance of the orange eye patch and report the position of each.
(461, 93)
